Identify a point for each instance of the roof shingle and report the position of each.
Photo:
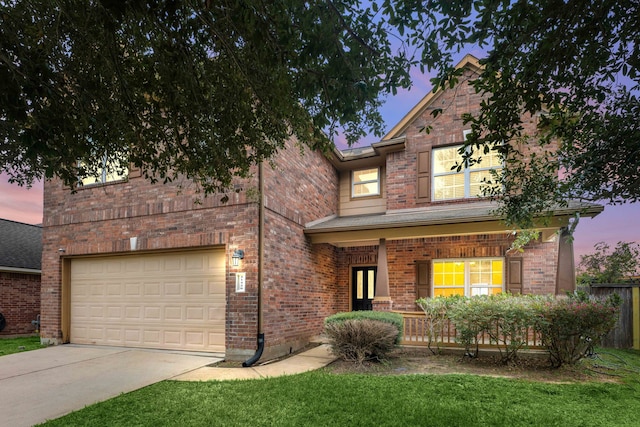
(20, 245)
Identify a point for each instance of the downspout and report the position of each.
(253, 359)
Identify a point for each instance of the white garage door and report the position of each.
(166, 301)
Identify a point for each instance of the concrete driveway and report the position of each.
(39, 385)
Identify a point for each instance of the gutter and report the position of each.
(260, 337)
(20, 270)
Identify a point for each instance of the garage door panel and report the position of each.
(173, 301)
(132, 289)
(152, 289)
(195, 289)
(172, 289)
(194, 314)
(114, 313)
(152, 313)
(195, 338)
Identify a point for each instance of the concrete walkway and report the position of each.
(309, 360)
(44, 384)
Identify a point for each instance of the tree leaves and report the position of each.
(198, 89)
(207, 89)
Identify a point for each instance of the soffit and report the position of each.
(444, 220)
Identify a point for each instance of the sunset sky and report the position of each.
(616, 223)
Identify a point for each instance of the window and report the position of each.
(448, 183)
(365, 182)
(109, 171)
(470, 277)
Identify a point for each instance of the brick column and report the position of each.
(380, 304)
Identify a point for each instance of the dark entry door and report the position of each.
(364, 288)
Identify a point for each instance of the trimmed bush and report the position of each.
(359, 340)
(383, 316)
(358, 336)
(436, 309)
(571, 327)
(568, 326)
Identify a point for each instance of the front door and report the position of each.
(364, 288)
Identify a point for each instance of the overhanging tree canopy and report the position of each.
(574, 63)
(206, 89)
(199, 88)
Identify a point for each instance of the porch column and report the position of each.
(382, 299)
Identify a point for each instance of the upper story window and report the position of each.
(469, 277)
(110, 170)
(365, 182)
(448, 183)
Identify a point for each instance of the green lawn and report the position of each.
(324, 399)
(17, 345)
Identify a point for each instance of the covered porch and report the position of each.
(395, 258)
(388, 261)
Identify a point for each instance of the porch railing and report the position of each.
(416, 333)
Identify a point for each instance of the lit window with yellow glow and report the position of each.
(470, 277)
(365, 182)
(110, 170)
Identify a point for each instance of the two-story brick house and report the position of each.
(130, 263)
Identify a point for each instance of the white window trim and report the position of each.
(353, 184)
(466, 171)
(467, 273)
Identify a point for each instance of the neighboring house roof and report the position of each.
(20, 247)
(467, 218)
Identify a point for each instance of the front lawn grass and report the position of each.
(18, 345)
(323, 399)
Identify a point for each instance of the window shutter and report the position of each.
(514, 275)
(423, 287)
(424, 176)
(134, 172)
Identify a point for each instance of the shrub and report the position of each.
(383, 316)
(471, 318)
(505, 319)
(510, 318)
(436, 309)
(361, 339)
(570, 327)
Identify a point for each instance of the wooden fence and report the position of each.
(626, 333)
(417, 332)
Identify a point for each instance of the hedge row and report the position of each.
(568, 326)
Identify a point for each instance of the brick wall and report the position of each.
(102, 219)
(539, 262)
(300, 279)
(447, 129)
(19, 302)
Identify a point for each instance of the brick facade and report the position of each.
(19, 302)
(539, 262)
(299, 278)
(303, 282)
(300, 286)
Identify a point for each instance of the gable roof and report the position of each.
(20, 247)
(469, 61)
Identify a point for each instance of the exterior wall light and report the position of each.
(238, 254)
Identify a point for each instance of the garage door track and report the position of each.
(45, 384)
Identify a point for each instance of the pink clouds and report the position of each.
(19, 203)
